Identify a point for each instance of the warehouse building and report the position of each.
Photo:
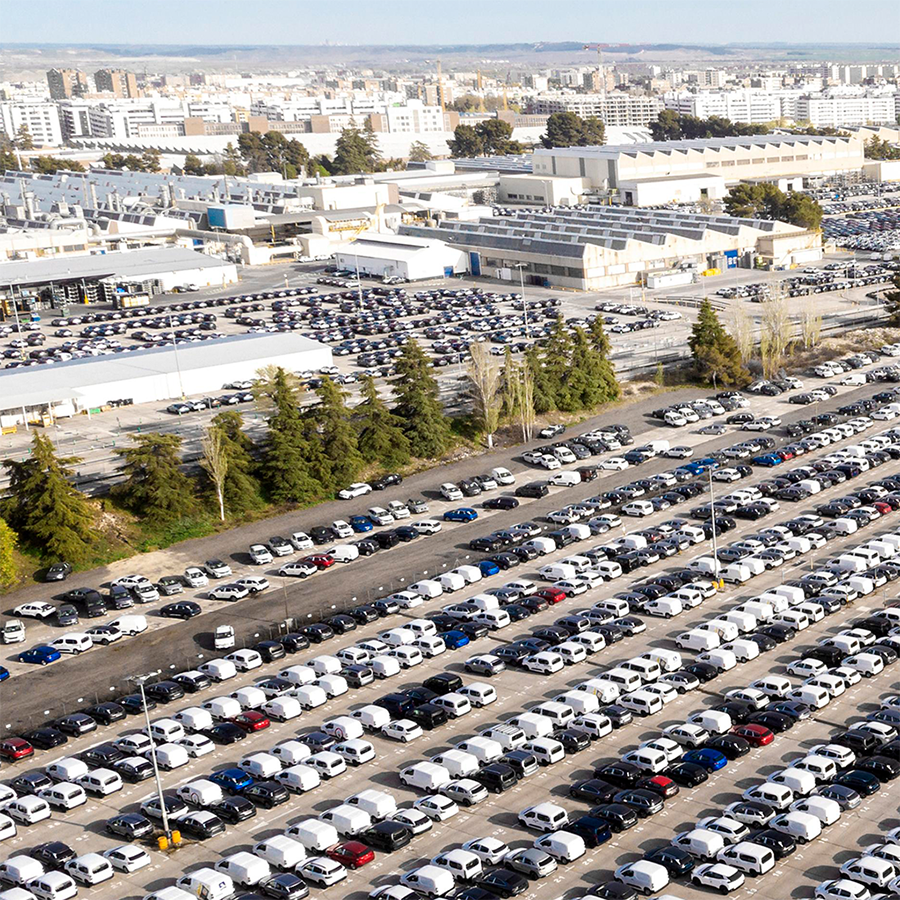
(735, 159)
(601, 247)
(34, 283)
(39, 393)
(402, 256)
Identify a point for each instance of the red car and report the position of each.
(756, 735)
(351, 854)
(882, 507)
(659, 784)
(319, 560)
(251, 721)
(15, 748)
(785, 454)
(551, 595)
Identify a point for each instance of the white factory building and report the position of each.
(412, 258)
(160, 374)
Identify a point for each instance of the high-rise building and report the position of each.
(117, 81)
(66, 83)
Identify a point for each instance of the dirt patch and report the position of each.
(848, 343)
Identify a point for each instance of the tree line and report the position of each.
(767, 201)
(308, 453)
(673, 126)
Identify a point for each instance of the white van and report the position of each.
(798, 780)
(558, 713)
(101, 782)
(748, 857)
(427, 589)
(425, 776)
(282, 709)
(130, 625)
(201, 793)
(543, 545)
(581, 702)
(90, 869)
(451, 582)
(348, 820)
(244, 868)
(472, 574)
(281, 852)
(478, 694)
(699, 640)
(372, 718)
(867, 664)
(700, 843)
(314, 834)
(612, 606)
(561, 845)
(814, 697)
(455, 705)
(430, 881)
(648, 670)
(165, 731)
(17, 870)
(608, 570)
(63, 795)
(299, 675)
(378, 804)
(53, 886)
(222, 708)
(605, 691)
(260, 765)
(646, 758)
(557, 572)
(298, 779)
(742, 650)
(641, 702)
(533, 725)
(457, 762)
(218, 669)
(667, 660)
(74, 642)
(193, 719)
(331, 665)
(483, 749)
(67, 769)
(736, 573)
(821, 767)
(744, 621)
(311, 696)
(713, 720)
(720, 658)
(644, 876)
(624, 679)
(343, 728)
(760, 611)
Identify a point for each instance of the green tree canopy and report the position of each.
(879, 149)
(766, 201)
(47, 165)
(269, 152)
(155, 488)
(419, 152)
(418, 403)
(9, 571)
(45, 508)
(673, 126)
(241, 488)
(715, 352)
(568, 129)
(381, 438)
(353, 153)
(337, 434)
(466, 142)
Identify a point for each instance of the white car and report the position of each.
(688, 734)
(489, 850)
(450, 491)
(229, 592)
(427, 526)
(358, 489)
(380, 516)
(298, 569)
(130, 581)
(341, 528)
(35, 610)
(722, 877)
(806, 667)
(245, 660)
(195, 577)
(842, 889)
(614, 464)
(679, 453)
(260, 554)
(322, 871)
(403, 730)
(127, 858)
(256, 584)
(197, 745)
(726, 475)
(436, 807)
(544, 663)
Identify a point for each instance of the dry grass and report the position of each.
(847, 343)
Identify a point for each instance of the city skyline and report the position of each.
(402, 22)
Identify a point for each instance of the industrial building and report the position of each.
(98, 276)
(601, 247)
(403, 256)
(735, 159)
(145, 376)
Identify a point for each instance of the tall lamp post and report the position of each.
(712, 506)
(521, 268)
(140, 681)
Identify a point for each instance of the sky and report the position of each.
(447, 21)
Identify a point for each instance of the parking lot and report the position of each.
(82, 828)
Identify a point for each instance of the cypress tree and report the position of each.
(715, 352)
(155, 488)
(285, 469)
(8, 540)
(45, 508)
(337, 435)
(418, 403)
(381, 439)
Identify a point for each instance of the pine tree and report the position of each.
(542, 387)
(419, 152)
(557, 355)
(337, 435)
(418, 403)
(241, 488)
(155, 488)
(591, 379)
(9, 572)
(45, 508)
(715, 352)
(892, 301)
(352, 153)
(285, 469)
(381, 439)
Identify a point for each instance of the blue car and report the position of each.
(463, 514)
(453, 640)
(361, 524)
(488, 567)
(711, 760)
(4, 672)
(767, 460)
(41, 655)
(232, 781)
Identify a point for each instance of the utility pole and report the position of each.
(712, 501)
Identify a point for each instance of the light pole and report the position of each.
(521, 268)
(140, 681)
(712, 507)
(177, 361)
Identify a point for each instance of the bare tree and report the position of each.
(520, 388)
(215, 462)
(810, 325)
(484, 389)
(741, 328)
(776, 329)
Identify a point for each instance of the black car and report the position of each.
(502, 882)
(775, 722)
(614, 890)
(618, 773)
(284, 886)
(134, 703)
(780, 844)
(500, 503)
(234, 809)
(364, 613)
(317, 741)
(864, 783)
(106, 713)
(192, 682)
(593, 790)
(134, 769)
(131, 826)
(201, 825)
(573, 741)
(181, 609)
(882, 767)
(267, 794)
(428, 716)
(763, 641)
(76, 724)
(387, 836)
(686, 774)
(58, 572)
(30, 783)
(406, 533)
(53, 854)
(164, 691)
(618, 816)
(386, 481)
(730, 745)
(103, 756)
(46, 738)
(674, 860)
(521, 762)
(317, 632)
(225, 733)
(294, 643)
(644, 803)
(617, 715)
(270, 650)
(358, 675)
(703, 672)
(322, 534)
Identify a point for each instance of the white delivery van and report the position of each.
(427, 589)
(244, 868)
(648, 670)
(667, 660)
(207, 882)
(624, 679)
(299, 675)
(557, 572)
(298, 779)
(451, 582)
(748, 857)
(222, 708)
(343, 728)
(218, 669)
(17, 870)
(698, 640)
(799, 781)
(281, 852)
(561, 845)
(605, 691)
(372, 718)
(348, 820)
(260, 765)
(315, 835)
(201, 793)
(425, 776)
(700, 843)
(743, 650)
(457, 762)
(193, 719)
(641, 702)
(67, 769)
(581, 702)
(532, 725)
(430, 881)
